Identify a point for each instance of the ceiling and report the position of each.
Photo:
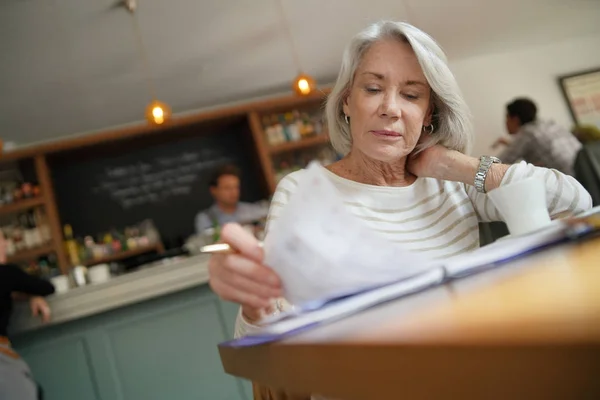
(72, 66)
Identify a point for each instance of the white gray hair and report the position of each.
(451, 116)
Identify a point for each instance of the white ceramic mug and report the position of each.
(522, 205)
(79, 275)
(61, 283)
(99, 273)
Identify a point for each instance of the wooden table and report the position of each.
(527, 330)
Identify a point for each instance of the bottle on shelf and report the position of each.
(301, 126)
(301, 120)
(27, 189)
(25, 229)
(292, 127)
(277, 130)
(32, 237)
(17, 193)
(8, 196)
(318, 125)
(90, 247)
(10, 243)
(130, 239)
(18, 236)
(36, 190)
(108, 241)
(270, 131)
(71, 245)
(284, 127)
(44, 228)
(37, 233)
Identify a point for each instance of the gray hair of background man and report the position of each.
(451, 116)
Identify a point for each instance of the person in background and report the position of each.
(16, 381)
(540, 142)
(225, 190)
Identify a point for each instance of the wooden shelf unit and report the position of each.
(22, 205)
(47, 189)
(31, 254)
(265, 151)
(47, 202)
(299, 144)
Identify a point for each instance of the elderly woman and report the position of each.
(398, 116)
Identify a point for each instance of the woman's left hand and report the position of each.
(40, 307)
(431, 162)
(444, 164)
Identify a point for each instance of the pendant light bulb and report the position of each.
(157, 113)
(304, 85)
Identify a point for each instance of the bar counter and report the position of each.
(147, 334)
(130, 288)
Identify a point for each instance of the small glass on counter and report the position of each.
(255, 226)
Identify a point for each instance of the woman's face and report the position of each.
(388, 103)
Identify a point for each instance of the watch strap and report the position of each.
(485, 163)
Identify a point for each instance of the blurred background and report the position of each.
(117, 119)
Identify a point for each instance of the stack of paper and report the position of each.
(320, 250)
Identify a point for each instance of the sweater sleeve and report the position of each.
(25, 283)
(564, 195)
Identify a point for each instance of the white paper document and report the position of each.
(320, 250)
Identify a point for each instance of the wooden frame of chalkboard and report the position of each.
(84, 149)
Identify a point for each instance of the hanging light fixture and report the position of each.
(157, 112)
(303, 84)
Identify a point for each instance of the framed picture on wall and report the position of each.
(582, 93)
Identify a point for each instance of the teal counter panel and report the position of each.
(164, 348)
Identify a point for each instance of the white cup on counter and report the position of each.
(79, 275)
(61, 283)
(99, 273)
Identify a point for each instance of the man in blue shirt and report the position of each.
(225, 190)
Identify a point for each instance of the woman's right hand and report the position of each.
(39, 307)
(242, 277)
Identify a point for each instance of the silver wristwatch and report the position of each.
(485, 162)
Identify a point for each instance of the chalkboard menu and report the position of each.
(157, 179)
(163, 178)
